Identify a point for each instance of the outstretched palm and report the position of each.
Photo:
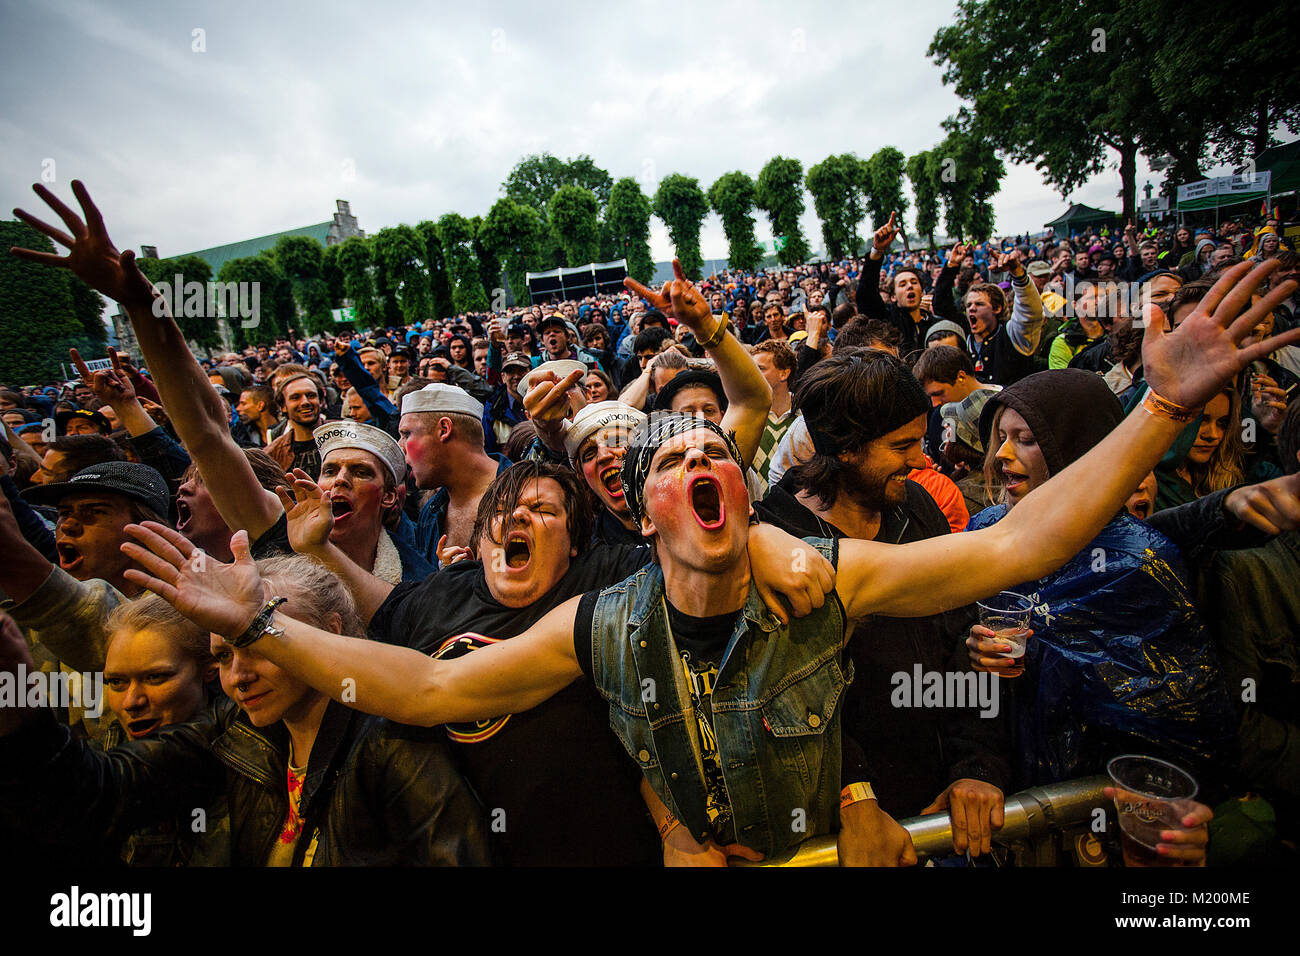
(309, 513)
(1190, 364)
(222, 598)
(92, 257)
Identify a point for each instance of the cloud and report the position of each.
(410, 113)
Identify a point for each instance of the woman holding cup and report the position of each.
(1117, 659)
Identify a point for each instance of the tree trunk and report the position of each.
(1128, 178)
(1259, 142)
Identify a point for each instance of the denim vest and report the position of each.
(776, 711)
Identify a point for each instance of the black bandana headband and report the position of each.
(648, 438)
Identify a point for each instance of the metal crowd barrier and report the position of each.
(1028, 815)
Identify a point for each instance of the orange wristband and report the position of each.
(855, 793)
(1163, 408)
(666, 827)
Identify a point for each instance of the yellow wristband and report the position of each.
(716, 337)
(1163, 408)
(856, 793)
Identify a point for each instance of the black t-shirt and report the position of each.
(558, 788)
(700, 642)
(306, 456)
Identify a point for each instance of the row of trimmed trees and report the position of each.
(561, 213)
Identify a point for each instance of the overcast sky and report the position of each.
(412, 110)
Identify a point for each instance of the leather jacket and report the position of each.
(376, 793)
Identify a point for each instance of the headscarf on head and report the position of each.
(649, 436)
(1069, 411)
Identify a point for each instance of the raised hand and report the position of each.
(885, 235)
(222, 598)
(450, 555)
(1008, 262)
(308, 512)
(92, 257)
(112, 386)
(549, 397)
(1188, 365)
(956, 254)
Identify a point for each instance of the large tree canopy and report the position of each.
(202, 330)
(681, 204)
(38, 318)
(571, 214)
(513, 233)
(779, 193)
(884, 184)
(628, 217)
(922, 170)
(356, 266)
(732, 198)
(300, 261)
(456, 234)
(836, 185)
(1073, 91)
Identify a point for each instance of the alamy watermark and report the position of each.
(946, 689)
(211, 300)
(37, 688)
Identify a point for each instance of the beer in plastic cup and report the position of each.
(1151, 795)
(1007, 614)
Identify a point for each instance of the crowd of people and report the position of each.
(632, 580)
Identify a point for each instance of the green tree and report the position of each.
(436, 267)
(1238, 71)
(732, 198)
(39, 319)
(970, 174)
(536, 178)
(884, 185)
(922, 170)
(456, 234)
(628, 216)
(682, 206)
(276, 309)
(1071, 93)
(489, 262)
(571, 216)
(300, 261)
(836, 185)
(201, 330)
(779, 193)
(513, 232)
(333, 275)
(357, 268)
(400, 256)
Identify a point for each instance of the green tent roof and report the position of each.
(1284, 163)
(218, 256)
(1079, 215)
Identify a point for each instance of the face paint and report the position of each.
(698, 502)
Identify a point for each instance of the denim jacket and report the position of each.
(776, 711)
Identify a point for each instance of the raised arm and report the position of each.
(1025, 326)
(191, 401)
(749, 397)
(383, 679)
(1051, 525)
(310, 521)
(869, 301)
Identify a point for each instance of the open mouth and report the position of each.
(69, 557)
(706, 503)
(612, 479)
(183, 515)
(341, 507)
(518, 552)
(1142, 510)
(143, 726)
(1013, 480)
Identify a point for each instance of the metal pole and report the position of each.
(1029, 814)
